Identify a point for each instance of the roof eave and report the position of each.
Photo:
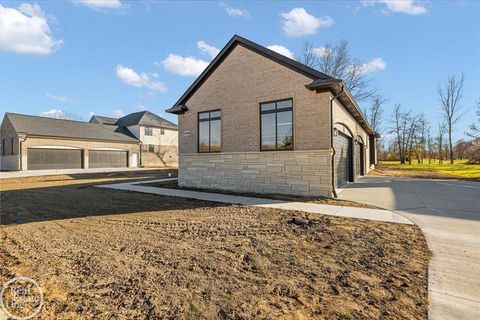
(336, 86)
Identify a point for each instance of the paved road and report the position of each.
(448, 212)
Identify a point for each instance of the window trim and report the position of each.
(145, 131)
(209, 119)
(275, 111)
(162, 131)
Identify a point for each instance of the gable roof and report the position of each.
(313, 74)
(42, 126)
(145, 118)
(102, 120)
(320, 80)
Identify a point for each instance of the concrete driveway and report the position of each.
(448, 212)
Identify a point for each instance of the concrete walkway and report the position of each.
(347, 212)
(38, 173)
(448, 212)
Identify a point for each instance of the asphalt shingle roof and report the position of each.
(103, 120)
(145, 118)
(42, 126)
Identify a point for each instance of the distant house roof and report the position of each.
(103, 120)
(320, 80)
(145, 118)
(41, 126)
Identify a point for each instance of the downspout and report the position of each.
(20, 141)
(331, 140)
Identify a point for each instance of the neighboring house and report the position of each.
(159, 136)
(32, 143)
(257, 121)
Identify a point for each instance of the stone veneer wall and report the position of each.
(305, 173)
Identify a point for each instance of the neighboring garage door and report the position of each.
(343, 158)
(359, 159)
(38, 159)
(107, 159)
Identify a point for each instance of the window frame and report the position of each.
(162, 131)
(152, 146)
(149, 129)
(276, 111)
(209, 119)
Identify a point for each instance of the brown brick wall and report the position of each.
(240, 83)
(342, 116)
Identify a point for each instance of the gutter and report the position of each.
(331, 140)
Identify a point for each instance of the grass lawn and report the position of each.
(104, 254)
(460, 169)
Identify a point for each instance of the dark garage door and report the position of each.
(359, 159)
(38, 159)
(107, 159)
(343, 158)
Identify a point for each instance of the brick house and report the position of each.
(257, 121)
(34, 143)
(159, 136)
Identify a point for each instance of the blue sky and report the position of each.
(112, 58)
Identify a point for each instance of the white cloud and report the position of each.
(57, 98)
(207, 49)
(404, 6)
(298, 22)
(184, 66)
(100, 4)
(117, 113)
(282, 50)
(26, 30)
(60, 114)
(235, 12)
(142, 80)
(141, 108)
(377, 64)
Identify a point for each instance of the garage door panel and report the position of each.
(45, 159)
(107, 159)
(343, 159)
(359, 159)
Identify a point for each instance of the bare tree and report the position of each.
(374, 111)
(404, 129)
(60, 114)
(442, 128)
(309, 56)
(450, 94)
(475, 126)
(335, 60)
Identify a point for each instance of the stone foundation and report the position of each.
(306, 173)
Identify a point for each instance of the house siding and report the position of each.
(237, 87)
(342, 116)
(10, 160)
(165, 147)
(85, 145)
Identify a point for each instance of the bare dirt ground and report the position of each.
(276, 196)
(108, 254)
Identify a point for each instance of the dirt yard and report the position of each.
(107, 254)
